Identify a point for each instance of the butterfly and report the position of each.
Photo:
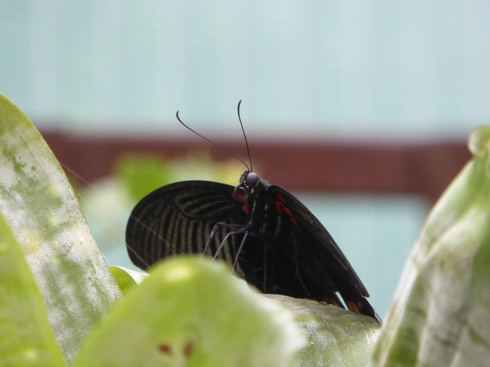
(271, 239)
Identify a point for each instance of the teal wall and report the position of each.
(304, 68)
(309, 67)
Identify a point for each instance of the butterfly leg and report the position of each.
(234, 229)
(211, 237)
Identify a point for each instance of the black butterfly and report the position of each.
(272, 240)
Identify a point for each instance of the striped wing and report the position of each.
(178, 218)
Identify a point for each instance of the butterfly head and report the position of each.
(248, 182)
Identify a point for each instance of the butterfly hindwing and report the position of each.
(322, 268)
(178, 218)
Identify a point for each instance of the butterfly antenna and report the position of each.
(245, 136)
(212, 142)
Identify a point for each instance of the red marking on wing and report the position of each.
(352, 306)
(241, 197)
(281, 207)
(245, 208)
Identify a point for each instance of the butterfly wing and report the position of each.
(179, 218)
(295, 255)
(321, 269)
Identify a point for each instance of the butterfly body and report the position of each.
(272, 240)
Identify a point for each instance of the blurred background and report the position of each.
(361, 108)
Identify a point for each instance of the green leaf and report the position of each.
(336, 337)
(440, 314)
(126, 278)
(193, 312)
(42, 211)
(26, 337)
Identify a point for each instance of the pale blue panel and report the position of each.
(370, 68)
(376, 234)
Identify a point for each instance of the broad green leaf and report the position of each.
(336, 337)
(440, 314)
(42, 210)
(193, 312)
(26, 337)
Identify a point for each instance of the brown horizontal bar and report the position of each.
(424, 168)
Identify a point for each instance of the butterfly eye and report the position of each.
(252, 180)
